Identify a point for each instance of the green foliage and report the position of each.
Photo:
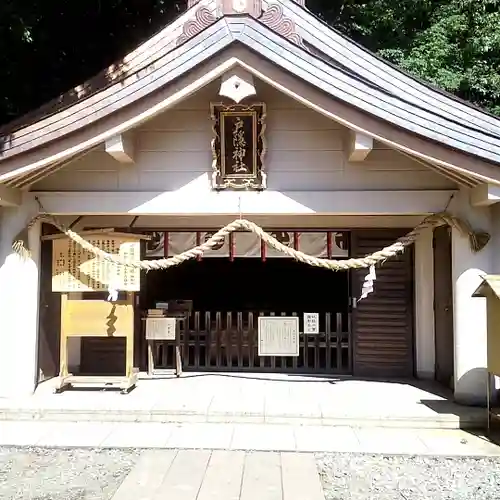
(460, 51)
(453, 44)
(49, 46)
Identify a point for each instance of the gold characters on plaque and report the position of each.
(239, 146)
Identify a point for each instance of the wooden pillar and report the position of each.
(424, 305)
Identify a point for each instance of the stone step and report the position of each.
(468, 418)
(243, 438)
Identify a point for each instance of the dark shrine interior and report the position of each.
(249, 284)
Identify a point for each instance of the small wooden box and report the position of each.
(161, 328)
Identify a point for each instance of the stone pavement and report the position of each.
(222, 475)
(249, 399)
(102, 473)
(245, 437)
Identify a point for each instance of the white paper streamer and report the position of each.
(367, 287)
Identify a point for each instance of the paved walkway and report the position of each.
(246, 437)
(273, 399)
(222, 475)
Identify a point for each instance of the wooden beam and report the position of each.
(206, 202)
(10, 197)
(484, 195)
(99, 232)
(121, 148)
(360, 146)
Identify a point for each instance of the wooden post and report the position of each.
(178, 357)
(151, 361)
(129, 356)
(63, 370)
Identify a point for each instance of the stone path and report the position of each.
(246, 437)
(222, 475)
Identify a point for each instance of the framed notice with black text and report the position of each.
(238, 146)
(278, 336)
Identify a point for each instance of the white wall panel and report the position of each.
(305, 152)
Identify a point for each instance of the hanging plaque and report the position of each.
(238, 147)
(278, 336)
(77, 270)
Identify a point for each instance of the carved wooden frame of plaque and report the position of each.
(262, 351)
(232, 124)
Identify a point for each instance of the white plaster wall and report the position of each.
(19, 289)
(305, 153)
(469, 312)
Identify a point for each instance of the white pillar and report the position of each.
(469, 313)
(19, 297)
(424, 305)
(495, 267)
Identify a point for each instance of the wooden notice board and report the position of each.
(77, 270)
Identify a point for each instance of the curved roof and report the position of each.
(289, 37)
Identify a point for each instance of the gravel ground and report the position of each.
(59, 474)
(377, 477)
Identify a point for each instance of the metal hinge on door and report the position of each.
(354, 302)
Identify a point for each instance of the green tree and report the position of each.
(453, 44)
(460, 51)
(50, 46)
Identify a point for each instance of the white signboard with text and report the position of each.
(311, 323)
(278, 336)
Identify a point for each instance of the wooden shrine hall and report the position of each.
(313, 156)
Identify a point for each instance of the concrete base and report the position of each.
(272, 399)
(426, 375)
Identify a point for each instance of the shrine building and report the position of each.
(252, 110)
